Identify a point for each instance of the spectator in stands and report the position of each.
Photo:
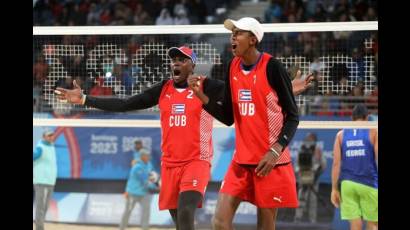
(40, 70)
(63, 17)
(320, 14)
(45, 12)
(315, 68)
(126, 78)
(139, 184)
(164, 18)
(93, 16)
(322, 104)
(274, 12)
(77, 66)
(181, 18)
(325, 109)
(105, 17)
(357, 93)
(122, 14)
(341, 7)
(373, 99)
(42, 13)
(294, 8)
(77, 17)
(99, 89)
(357, 57)
(370, 15)
(310, 8)
(180, 5)
(141, 17)
(291, 7)
(333, 100)
(342, 89)
(358, 90)
(345, 109)
(44, 175)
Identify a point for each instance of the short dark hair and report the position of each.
(359, 112)
(138, 142)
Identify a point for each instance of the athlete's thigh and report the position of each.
(168, 194)
(226, 207)
(277, 189)
(369, 202)
(195, 177)
(349, 207)
(238, 182)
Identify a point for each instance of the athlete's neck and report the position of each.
(181, 85)
(251, 57)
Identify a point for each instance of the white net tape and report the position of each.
(125, 123)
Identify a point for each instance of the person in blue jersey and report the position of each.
(355, 166)
(140, 183)
(136, 156)
(44, 176)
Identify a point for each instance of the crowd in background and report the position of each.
(312, 46)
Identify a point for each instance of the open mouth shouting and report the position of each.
(176, 74)
(234, 47)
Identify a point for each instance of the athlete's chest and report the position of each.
(249, 87)
(179, 101)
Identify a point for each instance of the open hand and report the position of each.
(299, 85)
(69, 95)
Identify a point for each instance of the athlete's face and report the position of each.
(49, 138)
(241, 41)
(138, 146)
(181, 67)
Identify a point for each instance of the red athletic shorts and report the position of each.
(193, 176)
(276, 190)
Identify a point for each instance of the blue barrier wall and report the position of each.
(105, 153)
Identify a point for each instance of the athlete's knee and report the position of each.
(371, 225)
(220, 223)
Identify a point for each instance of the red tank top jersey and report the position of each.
(186, 128)
(257, 113)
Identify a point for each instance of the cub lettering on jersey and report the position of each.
(177, 118)
(245, 105)
(246, 109)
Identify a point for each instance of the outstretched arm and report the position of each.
(144, 100)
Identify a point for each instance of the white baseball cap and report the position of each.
(246, 23)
